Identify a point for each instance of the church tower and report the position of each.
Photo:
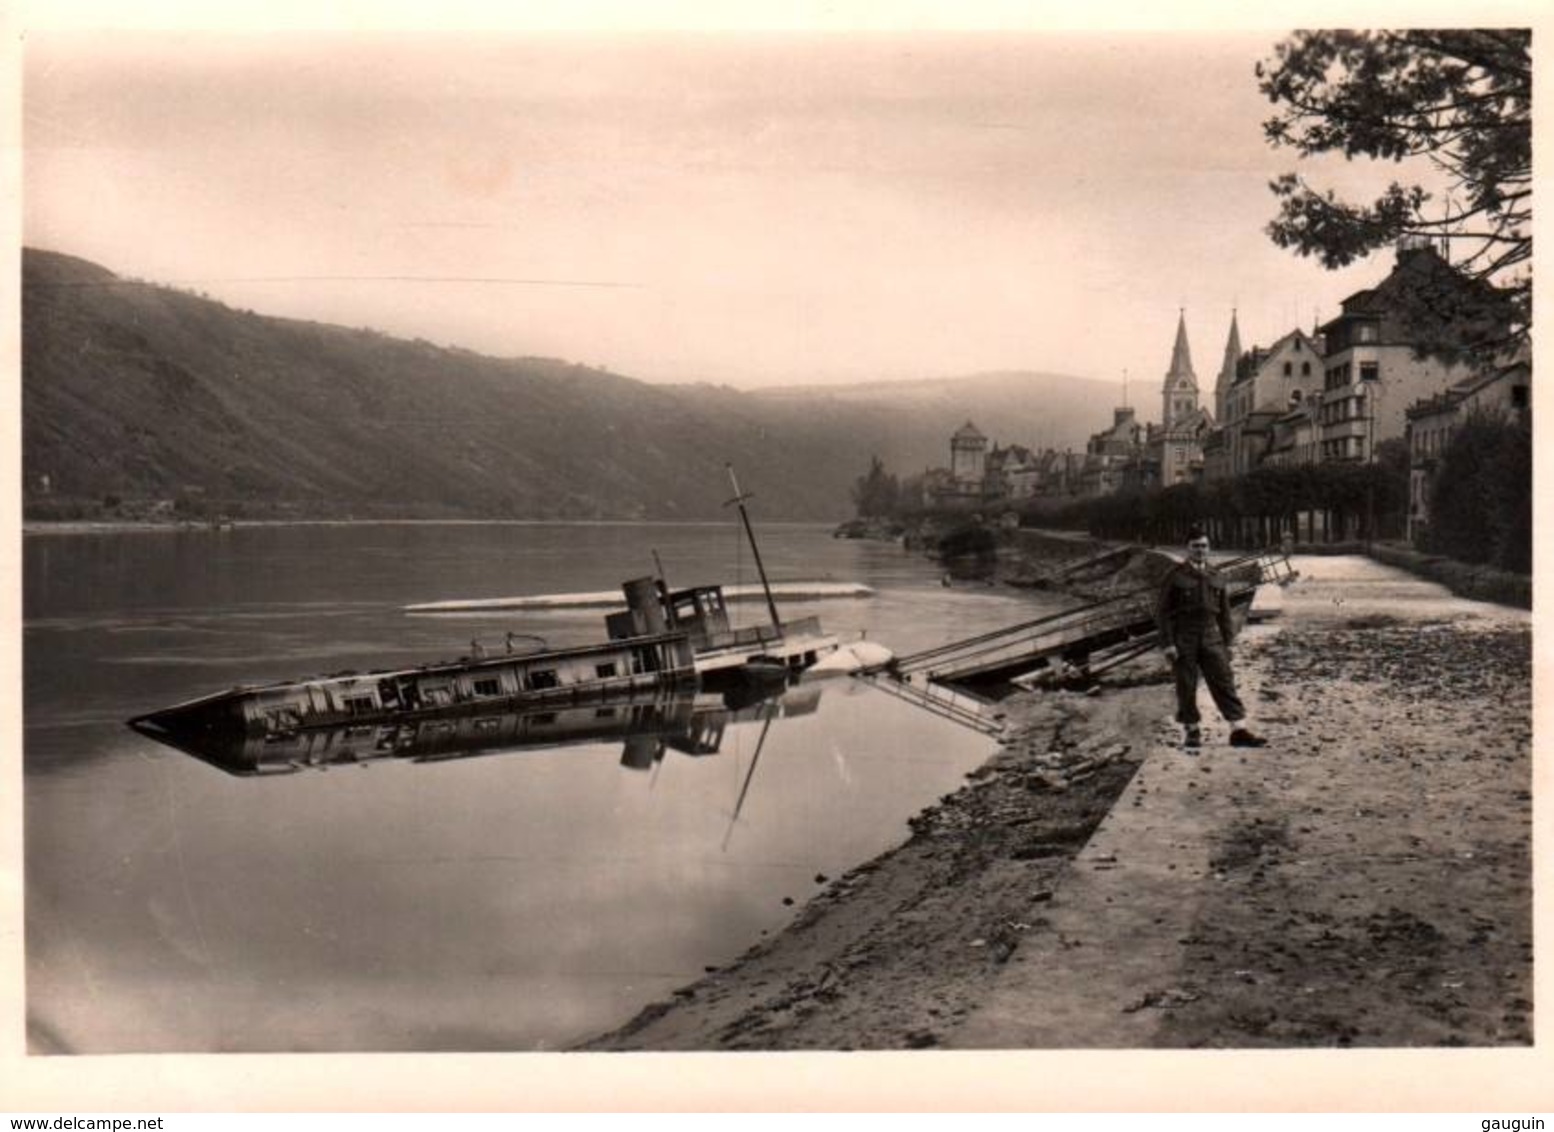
(1179, 395)
(1227, 371)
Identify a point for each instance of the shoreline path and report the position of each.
(1363, 881)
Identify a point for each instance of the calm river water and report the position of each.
(520, 900)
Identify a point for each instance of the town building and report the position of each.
(1010, 474)
(1109, 452)
(1296, 435)
(1371, 374)
(1265, 383)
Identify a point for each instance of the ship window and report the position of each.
(282, 719)
(605, 671)
(490, 686)
(357, 705)
(604, 713)
(544, 719)
(489, 723)
(544, 678)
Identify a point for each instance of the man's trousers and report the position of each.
(1212, 659)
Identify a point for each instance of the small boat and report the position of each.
(663, 640)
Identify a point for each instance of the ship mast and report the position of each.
(739, 501)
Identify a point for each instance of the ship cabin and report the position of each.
(701, 613)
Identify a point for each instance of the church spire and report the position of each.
(1181, 357)
(1227, 369)
(1179, 393)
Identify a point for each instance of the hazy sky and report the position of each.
(748, 209)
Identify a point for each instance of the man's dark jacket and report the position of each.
(1194, 608)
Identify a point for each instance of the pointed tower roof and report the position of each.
(1227, 368)
(1181, 357)
(968, 431)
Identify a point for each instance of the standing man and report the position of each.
(1196, 631)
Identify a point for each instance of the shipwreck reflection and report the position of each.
(648, 727)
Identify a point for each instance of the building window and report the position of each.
(1370, 371)
(1305, 367)
(1365, 332)
(1289, 368)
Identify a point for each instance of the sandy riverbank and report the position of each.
(1366, 880)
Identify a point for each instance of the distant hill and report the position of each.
(908, 423)
(138, 391)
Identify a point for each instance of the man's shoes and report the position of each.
(1193, 739)
(1241, 737)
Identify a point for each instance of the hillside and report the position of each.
(141, 392)
(908, 423)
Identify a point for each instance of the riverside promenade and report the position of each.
(1364, 880)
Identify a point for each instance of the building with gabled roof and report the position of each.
(1267, 382)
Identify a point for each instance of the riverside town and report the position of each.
(1026, 564)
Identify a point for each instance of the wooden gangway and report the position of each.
(958, 707)
(1073, 645)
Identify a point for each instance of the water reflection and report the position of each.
(432, 900)
(648, 727)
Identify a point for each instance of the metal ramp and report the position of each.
(1070, 647)
(958, 707)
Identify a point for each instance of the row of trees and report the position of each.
(876, 493)
(1312, 502)
(1481, 509)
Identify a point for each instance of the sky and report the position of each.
(751, 209)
